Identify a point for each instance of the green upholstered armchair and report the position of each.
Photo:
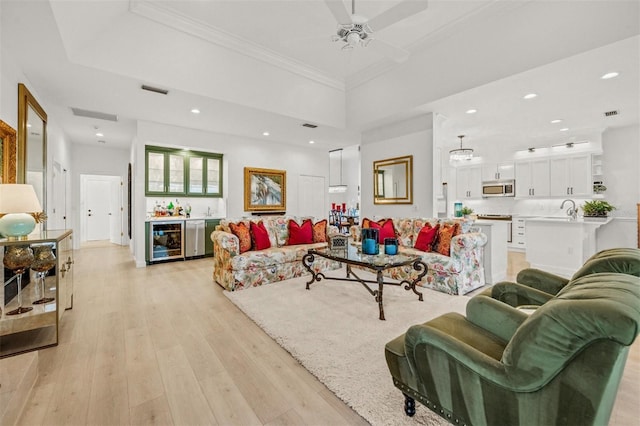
(534, 287)
(561, 365)
(622, 260)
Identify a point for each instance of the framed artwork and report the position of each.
(8, 154)
(265, 190)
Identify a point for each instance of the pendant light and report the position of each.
(460, 154)
(334, 189)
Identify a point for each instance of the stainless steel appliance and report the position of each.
(194, 238)
(499, 188)
(505, 217)
(166, 240)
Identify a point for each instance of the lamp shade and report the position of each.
(17, 201)
(18, 198)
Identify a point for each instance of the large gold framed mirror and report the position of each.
(32, 144)
(393, 180)
(8, 154)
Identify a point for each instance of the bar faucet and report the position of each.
(208, 211)
(571, 211)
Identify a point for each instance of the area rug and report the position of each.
(333, 330)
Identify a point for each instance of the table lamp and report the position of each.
(17, 202)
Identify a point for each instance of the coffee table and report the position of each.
(377, 263)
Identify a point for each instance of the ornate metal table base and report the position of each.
(418, 265)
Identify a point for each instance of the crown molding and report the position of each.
(170, 18)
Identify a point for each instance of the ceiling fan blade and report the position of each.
(397, 13)
(397, 54)
(339, 11)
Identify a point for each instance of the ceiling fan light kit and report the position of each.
(355, 30)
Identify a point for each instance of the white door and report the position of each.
(97, 210)
(101, 208)
(311, 196)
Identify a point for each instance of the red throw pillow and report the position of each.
(446, 232)
(300, 234)
(385, 228)
(242, 232)
(426, 238)
(320, 231)
(259, 236)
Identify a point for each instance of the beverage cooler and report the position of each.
(166, 240)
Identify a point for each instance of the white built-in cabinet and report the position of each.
(499, 171)
(469, 182)
(571, 176)
(532, 178)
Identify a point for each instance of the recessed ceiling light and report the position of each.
(564, 129)
(529, 96)
(195, 111)
(265, 133)
(609, 75)
(99, 135)
(471, 111)
(556, 121)
(312, 142)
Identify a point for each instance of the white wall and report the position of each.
(409, 137)
(239, 152)
(58, 144)
(95, 160)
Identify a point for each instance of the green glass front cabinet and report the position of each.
(171, 171)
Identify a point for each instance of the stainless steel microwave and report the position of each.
(499, 188)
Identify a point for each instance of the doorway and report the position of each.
(101, 208)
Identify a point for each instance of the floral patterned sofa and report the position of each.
(458, 273)
(235, 271)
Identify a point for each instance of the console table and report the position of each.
(38, 327)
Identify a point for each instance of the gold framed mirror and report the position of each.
(393, 180)
(8, 153)
(32, 144)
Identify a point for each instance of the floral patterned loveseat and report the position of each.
(235, 271)
(459, 273)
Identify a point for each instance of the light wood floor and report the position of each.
(163, 345)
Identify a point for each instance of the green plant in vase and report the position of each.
(466, 211)
(596, 208)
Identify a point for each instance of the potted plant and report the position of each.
(466, 211)
(596, 208)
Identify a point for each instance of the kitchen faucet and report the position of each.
(571, 211)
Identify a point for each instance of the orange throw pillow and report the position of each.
(446, 232)
(300, 234)
(259, 236)
(426, 237)
(320, 231)
(242, 232)
(385, 228)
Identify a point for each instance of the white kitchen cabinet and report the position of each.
(532, 178)
(571, 176)
(469, 182)
(500, 171)
(518, 235)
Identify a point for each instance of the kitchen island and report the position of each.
(561, 245)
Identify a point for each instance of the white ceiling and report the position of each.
(96, 53)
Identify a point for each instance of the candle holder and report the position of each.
(370, 241)
(18, 259)
(44, 260)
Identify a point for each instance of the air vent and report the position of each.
(611, 113)
(94, 114)
(309, 125)
(154, 89)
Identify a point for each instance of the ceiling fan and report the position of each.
(355, 30)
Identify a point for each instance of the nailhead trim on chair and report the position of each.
(442, 412)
